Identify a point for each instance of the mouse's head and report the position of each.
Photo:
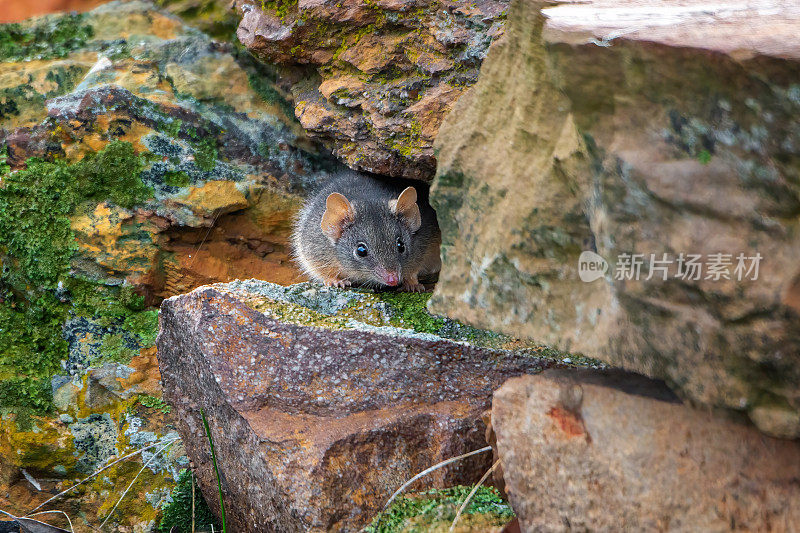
(372, 241)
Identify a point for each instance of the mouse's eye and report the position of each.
(361, 250)
(400, 246)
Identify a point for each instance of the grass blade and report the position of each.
(425, 473)
(137, 452)
(29, 525)
(471, 494)
(193, 502)
(72, 529)
(216, 470)
(156, 454)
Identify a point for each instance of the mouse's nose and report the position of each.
(391, 279)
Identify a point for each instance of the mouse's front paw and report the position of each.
(335, 282)
(410, 286)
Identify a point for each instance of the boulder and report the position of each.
(610, 451)
(373, 80)
(321, 402)
(642, 133)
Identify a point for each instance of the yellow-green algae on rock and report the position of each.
(388, 312)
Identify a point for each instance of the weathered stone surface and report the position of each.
(319, 412)
(610, 451)
(630, 145)
(100, 418)
(222, 151)
(384, 73)
(215, 18)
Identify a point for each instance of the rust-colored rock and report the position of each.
(314, 428)
(386, 73)
(610, 451)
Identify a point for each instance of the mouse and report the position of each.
(360, 230)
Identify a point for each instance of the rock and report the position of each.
(384, 74)
(95, 440)
(320, 407)
(612, 451)
(213, 129)
(58, 451)
(590, 131)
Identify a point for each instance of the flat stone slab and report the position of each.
(610, 451)
(319, 407)
(743, 27)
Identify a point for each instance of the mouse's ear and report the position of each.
(338, 215)
(406, 208)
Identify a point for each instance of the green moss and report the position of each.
(176, 178)
(409, 310)
(388, 75)
(427, 508)
(205, 154)
(119, 309)
(90, 298)
(34, 228)
(15, 100)
(209, 16)
(177, 515)
(298, 314)
(267, 91)
(113, 173)
(48, 38)
(25, 395)
(704, 156)
(153, 402)
(37, 294)
(114, 348)
(265, 150)
(410, 142)
(36, 245)
(171, 127)
(280, 7)
(143, 324)
(12, 99)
